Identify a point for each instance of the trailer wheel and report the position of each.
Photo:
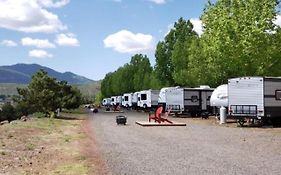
(241, 122)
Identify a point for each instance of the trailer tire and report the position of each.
(241, 122)
(144, 106)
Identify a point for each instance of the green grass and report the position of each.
(79, 110)
(72, 169)
(10, 88)
(88, 90)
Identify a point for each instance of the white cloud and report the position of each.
(30, 16)
(127, 42)
(68, 39)
(40, 54)
(52, 4)
(37, 43)
(197, 25)
(158, 1)
(9, 43)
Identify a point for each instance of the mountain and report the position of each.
(22, 74)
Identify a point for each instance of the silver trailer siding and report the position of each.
(189, 100)
(148, 98)
(127, 100)
(254, 97)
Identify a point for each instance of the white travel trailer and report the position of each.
(106, 101)
(113, 100)
(148, 99)
(254, 98)
(127, 100)
(162, 96)
(135, 100)
(219, 96)
(194, 101)
(116, 100)
(119, 100)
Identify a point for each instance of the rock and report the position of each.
(4, 122)
(14, 122)
(24, 118)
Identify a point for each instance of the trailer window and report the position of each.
(278, 94)
(126, 98)
(143, 97)
(194, 98)
(112, 99)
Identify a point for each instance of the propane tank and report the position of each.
(222, 115)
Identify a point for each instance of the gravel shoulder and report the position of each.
(202, 147)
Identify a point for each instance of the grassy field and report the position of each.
(10, 88)
(45, 146)
(88, 90)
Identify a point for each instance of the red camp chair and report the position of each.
(157, 116)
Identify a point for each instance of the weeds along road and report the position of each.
(194, 149)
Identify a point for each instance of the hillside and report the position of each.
(22, 73)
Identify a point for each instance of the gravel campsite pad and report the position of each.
(201, 147)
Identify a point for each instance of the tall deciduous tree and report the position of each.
(238, 38)
(181, 51)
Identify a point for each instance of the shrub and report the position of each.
(39, 115)
(8, 112)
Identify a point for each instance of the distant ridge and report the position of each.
(22, 74)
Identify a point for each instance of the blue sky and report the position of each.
(89, 38)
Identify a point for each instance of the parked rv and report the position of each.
(162, 96)
(127, 100)
(119, 100)
(135, 100)
(148, 99)
(116, 101)
(193, 101)
(219, 98)
(257, 98)
(113, 100)
(106, 101)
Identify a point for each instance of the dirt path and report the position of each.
(92, 150)
(202, 147)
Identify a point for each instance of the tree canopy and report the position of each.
(239, 38)
(46, 94)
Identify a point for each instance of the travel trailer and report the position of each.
(193, 101)
(135, 100)
(254, 98)
(116, 100)
(148, 99)
(219, 98)
(119, 100)
(127, 100)
(113, 100)
(106, 101)
(162, 96)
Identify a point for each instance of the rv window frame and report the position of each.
(278, 91)
(194, 98)
(126, 98)
(142, 96)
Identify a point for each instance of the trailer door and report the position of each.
(204, 97)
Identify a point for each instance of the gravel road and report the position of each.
(194, 149)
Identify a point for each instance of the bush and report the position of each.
(21, 109)
(8, 112)
(39, 115)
